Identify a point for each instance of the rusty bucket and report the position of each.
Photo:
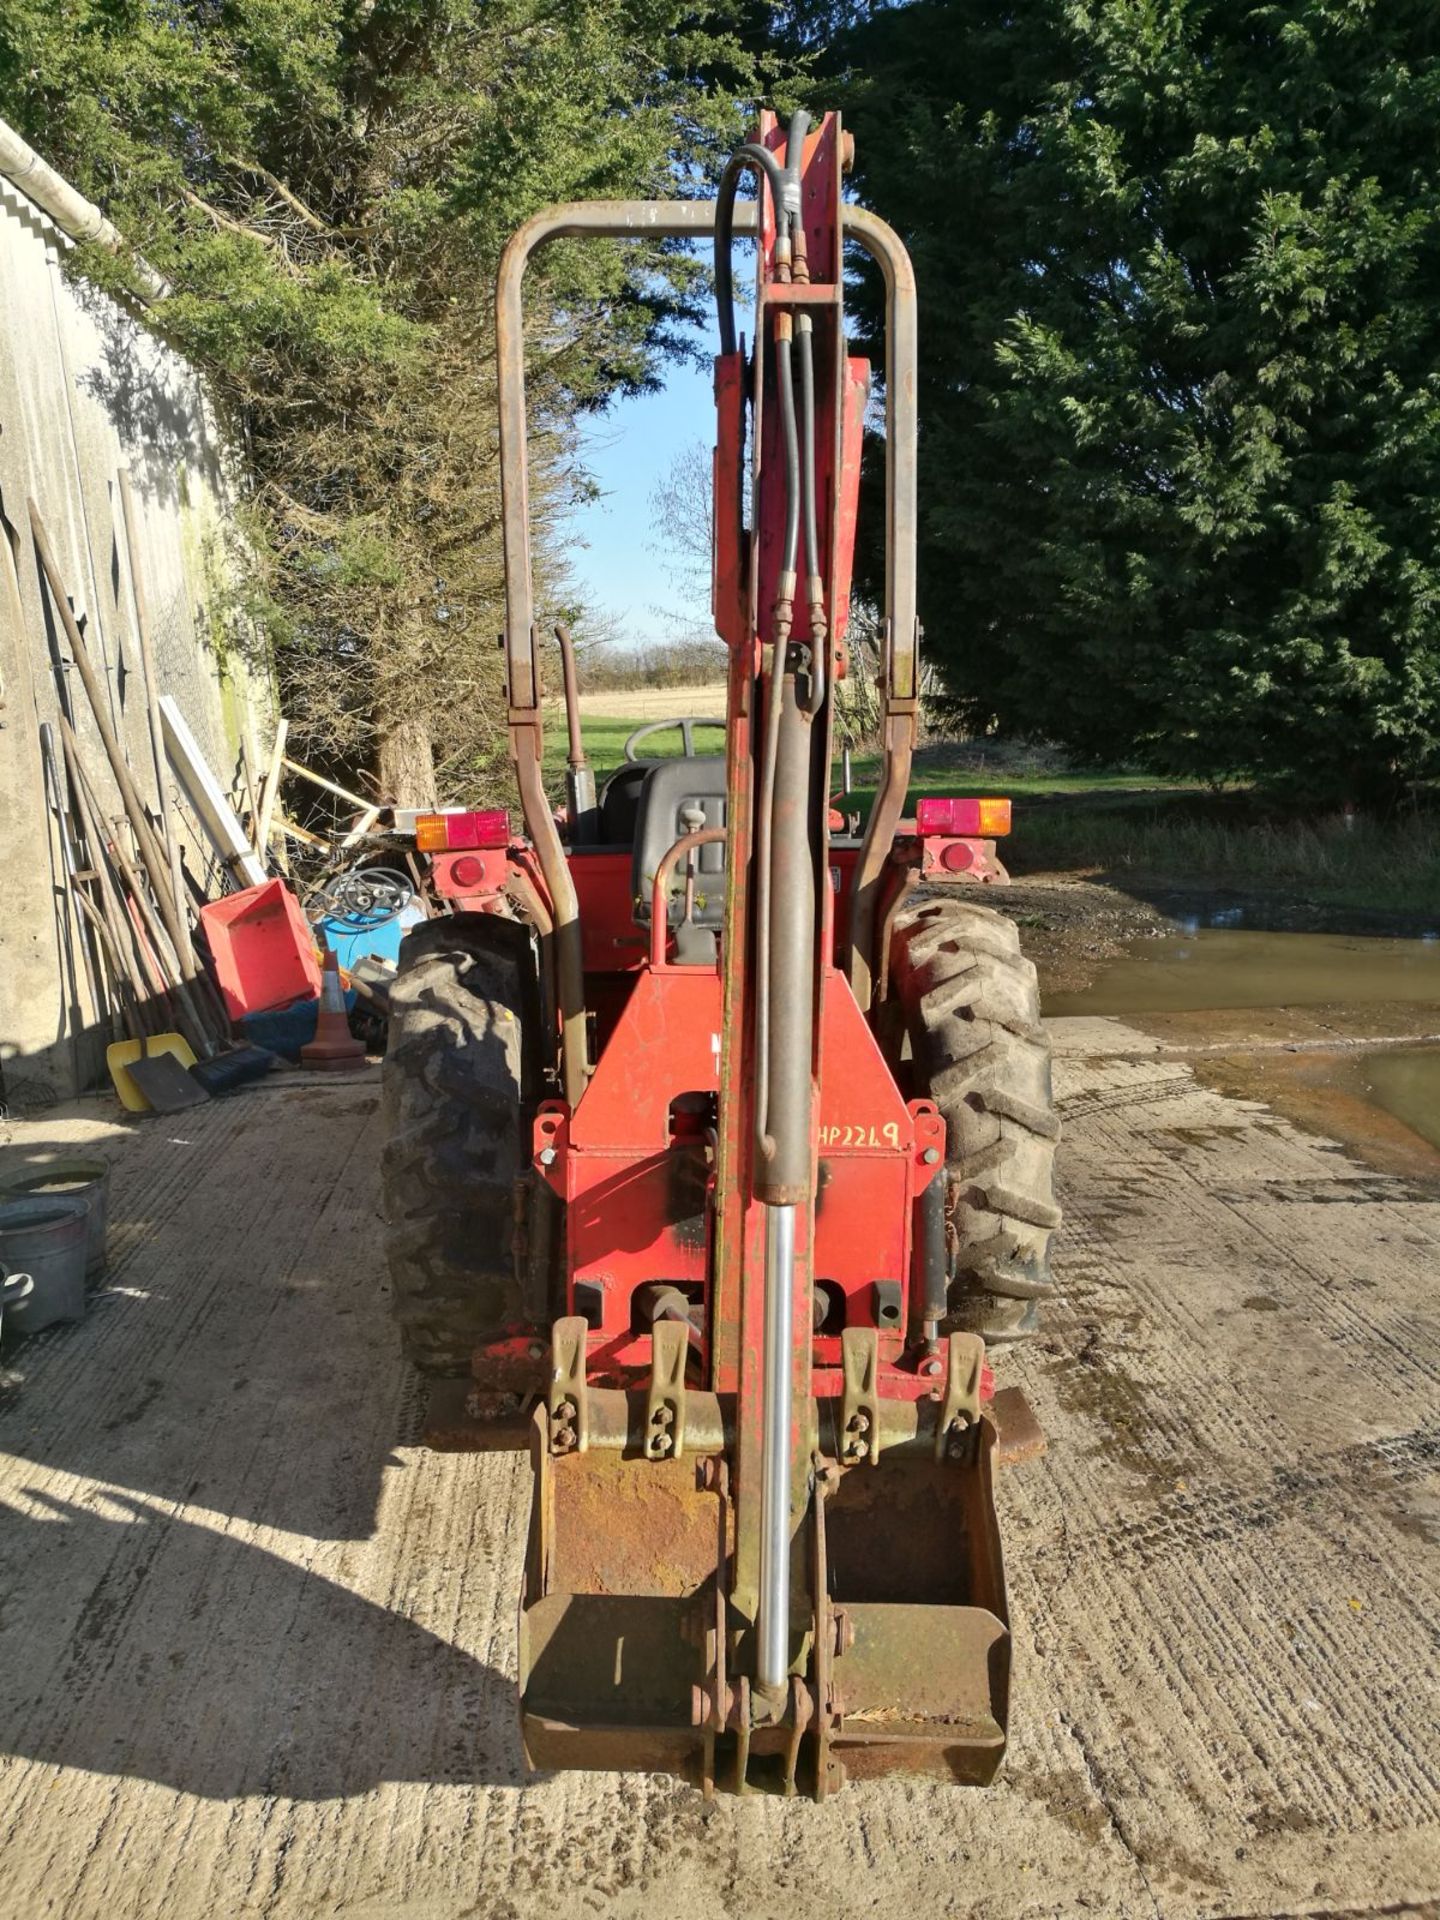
(634, 1655)
(921, 1628)
(626, 1559)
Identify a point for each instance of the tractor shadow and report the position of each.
(144, 1645)
(264, 1388)
(208, 1393)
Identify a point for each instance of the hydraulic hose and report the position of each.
(764, 842)
(806, 343)
(795, 142)
(785, 375)
(814, 584)
(794, 156)
(784, 189)
(753, 155)
(780, 638)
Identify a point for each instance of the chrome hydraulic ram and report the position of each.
(773, 1621)
(783, 1164)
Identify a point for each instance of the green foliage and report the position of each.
(1180, 402)
(1330, 859)
(326, 186)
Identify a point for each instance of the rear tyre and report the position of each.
(460, 1085)
(971, 1006)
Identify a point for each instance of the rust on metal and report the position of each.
(628, 1644)
(602, 217)
(860, 1409)
(631, 1526)
(902, 631)
(1021, 1436)
(665, 1405)
(568, 1399)
(659, 900)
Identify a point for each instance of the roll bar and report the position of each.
(666, 220)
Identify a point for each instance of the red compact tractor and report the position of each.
(719, 1141)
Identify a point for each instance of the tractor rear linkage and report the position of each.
(763, 1549)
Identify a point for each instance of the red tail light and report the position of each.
(982, 819)
(444, 832)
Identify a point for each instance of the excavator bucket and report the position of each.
(912, 1549)
(632, 1657)
(626, 1560)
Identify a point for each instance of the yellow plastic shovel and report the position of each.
(121, 1055)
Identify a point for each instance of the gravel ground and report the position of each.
(259, 1645)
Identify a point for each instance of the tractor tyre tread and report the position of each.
(458, 1092)
(971, 1003)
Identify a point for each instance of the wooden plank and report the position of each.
(270, 788)
(207, 798)
(329, 786)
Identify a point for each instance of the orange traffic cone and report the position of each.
(333, 1049)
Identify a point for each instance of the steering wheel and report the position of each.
(687, 724)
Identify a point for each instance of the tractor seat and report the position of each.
(670, 787)
(620, 803)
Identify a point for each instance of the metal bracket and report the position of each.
(834, 1636)
(665, 1412)
(551, 1143)
(929, 1143)
(960, 1407)
(567, 1399)
(889, 1305)
(860, 1412)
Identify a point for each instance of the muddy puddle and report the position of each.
(1235, 968)
(1406, 1083)
(1339, 1030)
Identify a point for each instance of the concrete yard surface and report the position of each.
(258, 1645)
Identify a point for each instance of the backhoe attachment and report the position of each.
(763, 1552)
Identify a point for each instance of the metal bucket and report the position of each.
(76, 1178)
(45, 1236)
(622, 1582)
(914, 1570)
(633, 1655)
(14, 1288)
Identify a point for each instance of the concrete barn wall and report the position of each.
(84, 387)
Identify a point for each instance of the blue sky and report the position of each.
(615, 555)
(617, 558)
(619, 567)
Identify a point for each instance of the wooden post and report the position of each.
(271, 786)
(184, 949)
(152, 855)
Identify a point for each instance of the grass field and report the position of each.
(979, 770)
(605, 734)
(943, 768)
(1121, 824)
